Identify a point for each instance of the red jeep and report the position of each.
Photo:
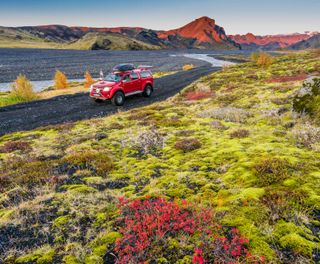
(125, 80)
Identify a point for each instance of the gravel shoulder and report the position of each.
(70, 108)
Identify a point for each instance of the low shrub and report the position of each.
(307, 99)
(155, 230)
(22, 90)
(240, 133)
(92, 160)
(88, 81)
(187, 145)
(148, 142)
(11, 146)
(307, 136)
(229, 114)
(272, 170)
(187, 67)
(60, 80)
(280, 100)
(262, 59)
(218, 125)
(29, 174)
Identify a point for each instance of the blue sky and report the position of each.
(236, 16)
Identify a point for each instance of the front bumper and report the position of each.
(100, 94)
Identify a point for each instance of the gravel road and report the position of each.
(69, 108)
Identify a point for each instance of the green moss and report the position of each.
(5, 215)
(251, 194)
(297, 244)
(78, 188)
(94, 260)
(294, 237)
(100, 245)
(61, 221)
(41, 256)
(70, 259)
(109, 238)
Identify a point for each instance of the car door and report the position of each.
(127, 84)
(135, 82)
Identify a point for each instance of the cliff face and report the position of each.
(204, 31)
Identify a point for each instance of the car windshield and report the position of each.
(113, 77)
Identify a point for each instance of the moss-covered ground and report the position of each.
(235, 151)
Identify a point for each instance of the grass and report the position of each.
(263, 179)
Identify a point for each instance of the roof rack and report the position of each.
(124, 67)
(144, 67)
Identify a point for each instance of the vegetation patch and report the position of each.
(272, 170)
(188, 144)
(148, 226)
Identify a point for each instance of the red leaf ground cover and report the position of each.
(299, 77)
(194, 96)
(154, 229)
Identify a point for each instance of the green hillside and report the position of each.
(97, 41)
(228, 155)
(13, 38)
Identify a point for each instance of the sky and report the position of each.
(236, 16)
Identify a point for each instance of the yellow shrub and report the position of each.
(187, 67)
(255, 56)
(88, 81)
(262, 59)
(22, 89)
(60, 80)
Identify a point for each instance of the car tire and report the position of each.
(148, 90)
(118, 99)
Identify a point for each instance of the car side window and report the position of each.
(134, 76)
(126, 78)
(145, 74)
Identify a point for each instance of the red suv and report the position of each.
(125, 80)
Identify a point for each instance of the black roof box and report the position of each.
(124, 67)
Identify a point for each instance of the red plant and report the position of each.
(148, 225)
(194, 96)
(197, 257)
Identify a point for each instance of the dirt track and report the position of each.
(76, 107)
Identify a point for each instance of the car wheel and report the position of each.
(147, 92)
(118, 99)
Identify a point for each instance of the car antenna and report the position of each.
(101, 76)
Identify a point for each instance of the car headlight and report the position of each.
(106, 89)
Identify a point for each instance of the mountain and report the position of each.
(268, 42)
(313, 43)
(203, 33)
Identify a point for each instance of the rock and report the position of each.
(307, 98)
